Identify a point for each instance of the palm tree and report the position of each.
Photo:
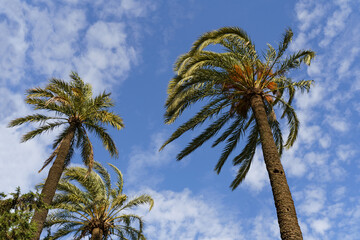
(77, 111)
(242, 89)
(99, 210)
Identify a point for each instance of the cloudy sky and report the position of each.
(128, 47)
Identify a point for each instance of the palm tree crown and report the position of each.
(228, 80)
(74, 108)
(96, 208)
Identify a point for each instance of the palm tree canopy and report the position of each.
(83, 203)
(73, 106)
(227, 80)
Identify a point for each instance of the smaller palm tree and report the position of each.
(91, 207)
(69, 105)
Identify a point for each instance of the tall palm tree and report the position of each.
(77, 111)
(242, 89)
(99, 210)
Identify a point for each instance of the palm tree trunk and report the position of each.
(52, 181)
(285, 208)
(96, 234)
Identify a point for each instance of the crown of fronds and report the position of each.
(83, 203)
(73, 107)
(227, 80)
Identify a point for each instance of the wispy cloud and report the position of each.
(50, 40)
(183, 215)
(44, 39)
(19, 162)
(144, 163)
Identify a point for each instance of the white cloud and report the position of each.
(42, 38)
(265, 228)
(108, 57)
(19, 162)
(336, 22)
(345, 152)
(55, 35)
(183, 215)
(53, 40)
(309, 13)
(339, 193)
(325, 141)
(311, 99)
(143, 163)
(338, 123)
(294, 165)
(313, 200)
(13, 47)
(129, 8)
(321, 225)
(257, 176)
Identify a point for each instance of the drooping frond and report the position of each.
(245, 158)
(226, 81)
(100, 132)
(204, 136)
(232, 141)
(215, 37)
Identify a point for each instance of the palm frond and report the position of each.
(230, 146)
(246, 156)
(120, 180)
(32, 118)
(40, 130)
(107, 141)
(204, 136)
(208, 111)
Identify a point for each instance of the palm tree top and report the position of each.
(228, 80)
(85, 203)
(74, 107)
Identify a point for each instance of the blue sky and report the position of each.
(128, 47)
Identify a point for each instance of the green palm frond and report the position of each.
(295, 60)
(211, 109)
(109, 118)
(120, 180)
(204, 136)
(40, 130)
(293, 123)
(78, 210)
(230, 146)
(71, 103)
(139, 201)
(215, 37)
(226, 81)
(104, 174)
(107, 141)
(93, 183)
(245, 158)
(32, 118)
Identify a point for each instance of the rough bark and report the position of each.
(285, 208)
(52, 181)
(96, 234)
